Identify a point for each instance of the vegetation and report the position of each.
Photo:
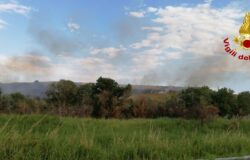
(194, 128)
(107, 99)
(51, 137)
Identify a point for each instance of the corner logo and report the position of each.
(242, 41)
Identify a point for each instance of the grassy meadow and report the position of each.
(52, 138)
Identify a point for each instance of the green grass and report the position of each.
(55, 138)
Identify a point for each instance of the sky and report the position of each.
(150, 42)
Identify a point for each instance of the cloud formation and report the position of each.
(110, 52)
(14, 7)
(152, 9)
(177, 45)
(2, 24)
(182, 33)
(73, 26)
(136, 14)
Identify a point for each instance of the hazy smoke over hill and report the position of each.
(212, 70)
(168, 45)
(52, 39)
(189, 48)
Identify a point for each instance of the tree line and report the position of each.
(107, 99)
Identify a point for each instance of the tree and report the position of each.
(62, 93)
(17, 96)
(243, 101)
(13, 102)
(196, 96)
(226, 101)
(19, 103)
(84, 92)
(107, 95)
(175, 106)
(198, 103)
(5, 104)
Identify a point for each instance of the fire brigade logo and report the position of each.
(242, 41)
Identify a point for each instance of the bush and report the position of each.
(107, 99)
(193, 102)
(243, 101)
(226, 101)
(62, 94)
(145, 108)
(107, 96)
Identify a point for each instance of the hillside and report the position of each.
(38, 89)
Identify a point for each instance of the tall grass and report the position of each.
(55, 138)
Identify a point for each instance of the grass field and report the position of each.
(52, 138)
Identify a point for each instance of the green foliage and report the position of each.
(175, 106)
(17, 97)
(193, 102)
(196, 96)
(243, 101)
(62, 93)
(107, 99)
(226, 101)
(106, 84)
(52, 138)
(84, 92)
(18, 103)
(107, 95)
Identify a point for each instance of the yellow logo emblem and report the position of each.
(243, 40)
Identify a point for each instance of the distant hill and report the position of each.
(38, 89)
(35, 89)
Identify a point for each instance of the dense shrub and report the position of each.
(84, 92)
(243, 101)
(226, 101)
(62, 94)
(107, 96)
(193, 102)
(145, 108)
(107, 99)
(196, 96)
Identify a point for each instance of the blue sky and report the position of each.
(159, 42)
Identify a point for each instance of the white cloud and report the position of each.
(208, 1)
(111, 52)
(183, 30)
(14, 7)
(176, 32)
(151, 41)
(152, 9)
(136, 14)
(147, 59)
(142, 44)
(86, 69)
(2, 24)
(152, 28)
(73, 26)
